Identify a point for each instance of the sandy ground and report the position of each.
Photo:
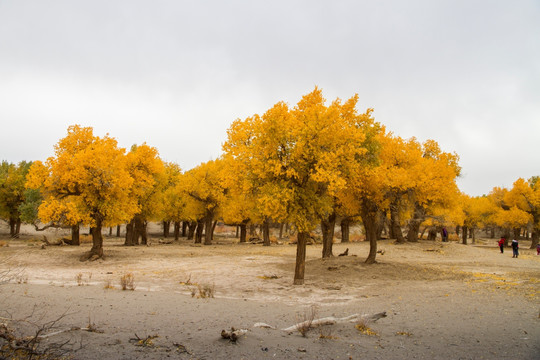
(443, 300)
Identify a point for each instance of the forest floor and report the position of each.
(442, 300)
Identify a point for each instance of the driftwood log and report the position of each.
(333, 320)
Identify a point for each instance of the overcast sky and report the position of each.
(175, 74)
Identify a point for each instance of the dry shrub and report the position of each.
(203, 291)
(304, 321)
(127, 282)
(4, 243)
(85, 239)
(108, 285)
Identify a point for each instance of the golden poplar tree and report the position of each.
(86, 181)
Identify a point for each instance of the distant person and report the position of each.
(515, 248)
(501, 244)
(444, 235)
(537, 249)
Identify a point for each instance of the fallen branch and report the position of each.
(333, 320)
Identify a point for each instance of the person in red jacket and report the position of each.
(501, 244)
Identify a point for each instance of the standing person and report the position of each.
(515, 248)
(501, 244)
(444, 234)
(537, 249)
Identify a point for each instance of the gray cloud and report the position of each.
(176, 73)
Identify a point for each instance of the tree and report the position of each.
(149, 180)
(12, 193)
(203, 184)
(297, 156)
(525, 195)
(86, 180)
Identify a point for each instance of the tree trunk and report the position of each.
(117, 230)
(96, 251)
(75, 238)
(176, 230)
(208, 222)
(166, 228)
(130, 229)
(328, 227)
(345, 230)
(473, 233)
(534, 239)
(184, 228)
(192, 226)
(464, 230)
(415, 222)
(144, 232)
(12, 228)
(199, 231)
(300, 258)
(281, 226)
(395, 224)
(243, 232)
(432, 233)
(266, 232)
(17, 227)
(370, 215)
(237, 232)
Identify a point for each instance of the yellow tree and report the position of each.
(297, 154)
(173, 200)
(203, 184)
(87, 178)
(435, 185)
(12, 193)
(525, 195)
(149, 180)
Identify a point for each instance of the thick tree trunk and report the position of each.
(166, 228)
(281, 226)
(432, 234)
(345, 230)
(395, 224)
(144, 232)
(300, 266)
(17, 227)
(266, 232)
(130, 229)
(208, 222)
(199, 231)
(96, 252)
(473, 234)
(243, 232)
(117, 230)
(370, 216)
(214, 228)
(328, 227)
(75, 235)
(192, 226)
(415, 222)
(184, 228)
(176, 230)
(237, 235)
(12, 228)
(464, 234)
(97, 241)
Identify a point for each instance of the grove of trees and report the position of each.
(310, 166)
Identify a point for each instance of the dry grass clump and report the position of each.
(127, 282)
(304, 322)
(4, 243)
